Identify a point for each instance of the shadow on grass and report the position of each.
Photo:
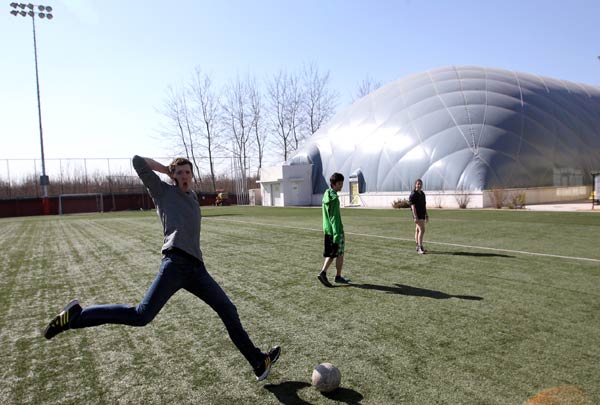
(413, 291)
(471, 254)
(287, 393)
(345, 395)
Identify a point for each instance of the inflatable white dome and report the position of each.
(462, 128)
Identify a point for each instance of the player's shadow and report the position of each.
(470, 254)
(287, 393)
(413, 291)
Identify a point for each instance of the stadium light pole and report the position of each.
(34, 10)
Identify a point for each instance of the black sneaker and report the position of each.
(343, 280)
(271, 358)
(323, 279)
(60, 323)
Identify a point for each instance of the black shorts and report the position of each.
(333, 250)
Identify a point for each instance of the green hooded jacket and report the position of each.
(332, 218)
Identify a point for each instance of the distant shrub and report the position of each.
(517, 201)
(462, 198)
(498, 197)
(401, 203)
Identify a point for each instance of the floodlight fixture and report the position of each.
(43, 11)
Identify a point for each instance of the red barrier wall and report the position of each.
(88, 203)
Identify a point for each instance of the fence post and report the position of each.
(9, 182)
(110, 190)
(35, 176)
(87, 190)
(62, 185)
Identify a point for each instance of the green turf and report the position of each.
(461, 325)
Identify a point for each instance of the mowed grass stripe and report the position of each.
(15, 240)
(291, 279)
(159, 349)
(411, 240)
(26, 322)
(385, 253)
(119, 271)
(460, 326)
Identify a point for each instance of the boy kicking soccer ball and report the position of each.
(182, 267)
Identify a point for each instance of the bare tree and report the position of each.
(319, 100)
(239, 118)
(206, 104)
(285, 99)
(177, 111)
(172, 109)
(366, 86)
(259, 133)
(294, 109)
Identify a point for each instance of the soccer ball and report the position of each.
(326, 377)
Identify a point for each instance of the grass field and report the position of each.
(505, 305)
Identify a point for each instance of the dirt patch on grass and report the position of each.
(562, 395)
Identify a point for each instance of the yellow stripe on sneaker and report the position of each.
(63, 318)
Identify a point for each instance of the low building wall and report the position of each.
(473, 199)
(539, 195)
(440, 199)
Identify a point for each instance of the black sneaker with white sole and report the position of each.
(271, 358)
(60, 323)
(342, 280)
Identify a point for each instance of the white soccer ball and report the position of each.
(326, 377)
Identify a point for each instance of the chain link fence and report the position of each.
(20, 178)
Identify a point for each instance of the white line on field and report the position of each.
(412, 240)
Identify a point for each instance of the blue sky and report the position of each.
(105, 66)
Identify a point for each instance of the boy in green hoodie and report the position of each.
(334, 231)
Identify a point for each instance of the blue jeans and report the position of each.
(176, 271)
